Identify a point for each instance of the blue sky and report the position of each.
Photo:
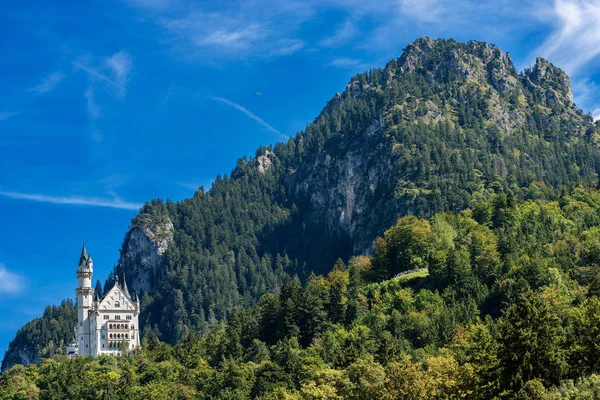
(107, 104)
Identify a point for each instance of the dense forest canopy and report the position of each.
(444, 127)
(504, 305)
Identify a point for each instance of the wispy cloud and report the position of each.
(575, 40)
(10, 283)
(343, 33)
(423, 10)
(346, 62)
(227, 31)
(114, 202)
(48, 83)
(114, 70)
(250, 115)
(92, 107)
(120, 64)
(7, 115)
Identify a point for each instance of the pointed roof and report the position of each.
(125, 290)
(83, 259)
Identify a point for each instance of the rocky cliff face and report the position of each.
(345, 184)
(146, 242)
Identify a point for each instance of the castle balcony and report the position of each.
(118, 326)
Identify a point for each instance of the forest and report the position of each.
(504, 304)
(444, 126)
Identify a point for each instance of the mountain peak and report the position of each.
(474, 61)
(550, 83)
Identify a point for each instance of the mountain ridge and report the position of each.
(441, 126)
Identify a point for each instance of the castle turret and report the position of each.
(125, 289)
(85, 294)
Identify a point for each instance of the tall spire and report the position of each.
(125, 286)
(83, 259)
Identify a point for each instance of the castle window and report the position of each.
(126, 336)
(106, 317)
(103, 337)
(129, 317)
(117, 317)
(110, 326)
(81, 324)
(117, 304)
(102, 345)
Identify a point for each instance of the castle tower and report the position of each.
(85, 294)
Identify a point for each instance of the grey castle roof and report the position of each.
(85, 258)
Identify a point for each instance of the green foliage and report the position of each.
(491, 321)
(45, 336)
(420, 140)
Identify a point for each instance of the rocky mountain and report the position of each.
(445, 124)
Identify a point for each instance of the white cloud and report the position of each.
(231, 30)
(250, 115)
(235, 39)
(10, 282)
(49, 83)
(114, 202)
(575, 40)
(120, 64)
(114, 70)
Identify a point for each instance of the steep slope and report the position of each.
(437, 128)
(442, 125)
(507, 308)
(42, 337)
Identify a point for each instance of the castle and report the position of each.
(104, 326)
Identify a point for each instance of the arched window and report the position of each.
(117, 304)
(110, 326)
(110, 335)
(126, 336)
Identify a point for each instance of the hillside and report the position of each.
(441, 127)
(509, 309)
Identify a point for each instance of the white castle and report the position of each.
(107, 326)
